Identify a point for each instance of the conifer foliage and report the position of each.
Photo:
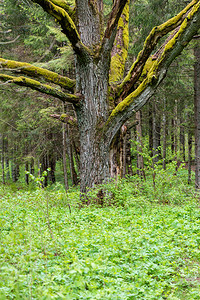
(103, 97)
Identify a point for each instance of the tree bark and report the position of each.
(164, 133)
(151, 128)
(70, 156)
(189, 153)
(15, 163)
(32, 169)
(182, 138)
(140, 160)
(197, 113)
(156, 133)
(64, 158)
(92, 111)
(7, 162)
(26, 163)
(52, 166)
(3, 159)
(128, 152)
(103, 107)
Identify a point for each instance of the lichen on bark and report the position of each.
(28, 69)
(120, 47)
(151, 41)
(38, 86)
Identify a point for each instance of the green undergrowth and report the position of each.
(136, 245)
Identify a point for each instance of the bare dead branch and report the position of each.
(10, 42)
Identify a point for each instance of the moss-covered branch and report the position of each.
(155, 35)
(135, 100)
(66, 22)
(64, 4)
(65, 119)
(110, 32)
(28, 69)
(43, 88)
(120, 48)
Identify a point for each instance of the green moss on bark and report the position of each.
(31, 70)
(120, 48)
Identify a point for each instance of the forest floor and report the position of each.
(138, 249)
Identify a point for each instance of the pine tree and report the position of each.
(103, 102)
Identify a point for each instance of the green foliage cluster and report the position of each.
(133, 248)
(159, 186)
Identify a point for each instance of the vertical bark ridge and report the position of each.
(90, 20)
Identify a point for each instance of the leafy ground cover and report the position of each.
(142, 248)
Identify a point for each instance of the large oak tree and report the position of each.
(103, 98)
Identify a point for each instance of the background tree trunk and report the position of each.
(182, 137)
(64, 158)
(156, 132)
(140, 160)
(197, 113)
(164, 134)
(189, 153)
(151, 128)
(3, 159)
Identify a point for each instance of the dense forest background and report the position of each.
(34, 137)
(137, 235)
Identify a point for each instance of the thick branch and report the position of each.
(33, 71)
(64, 4)
(135, 100)
(66, 22)
(155, 35)
(65, 119)
(120, 48)
(110, 32)
(43, 88)
(115, 14)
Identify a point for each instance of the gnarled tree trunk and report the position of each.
(92, 111)
(102, 98)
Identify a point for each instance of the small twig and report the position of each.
(10, 42)
(70, 211)
(8, 81)
(196, 36)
